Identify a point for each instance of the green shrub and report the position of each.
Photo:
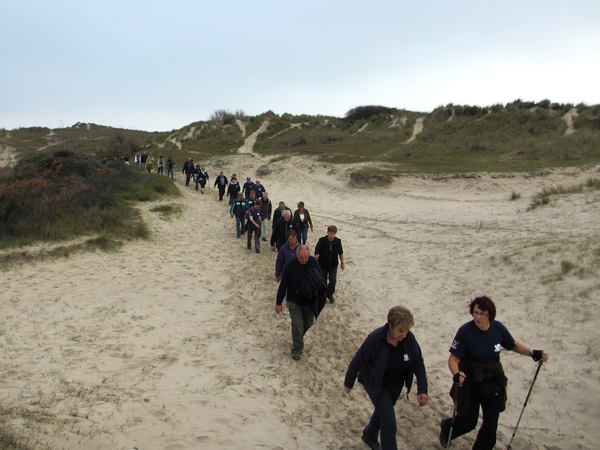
(60, 195)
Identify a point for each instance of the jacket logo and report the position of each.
(454, 344)
(405, 357)
(497, 348)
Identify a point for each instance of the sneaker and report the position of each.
(296, 356)
(286, 311)
(258, 250)
(372, 444)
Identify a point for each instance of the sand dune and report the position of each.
(174, 343)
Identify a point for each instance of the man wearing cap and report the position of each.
(247, 188)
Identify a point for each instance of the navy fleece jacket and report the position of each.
(371, 359)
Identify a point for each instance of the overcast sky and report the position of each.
(160, 65)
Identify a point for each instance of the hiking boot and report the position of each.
(331, 299)
(372, 444)
(258, 250)
(296, 356)
(249, 248)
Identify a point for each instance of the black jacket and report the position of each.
(328, 252)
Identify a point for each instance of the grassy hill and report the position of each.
(518, 136)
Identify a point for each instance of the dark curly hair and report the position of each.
(485, 304)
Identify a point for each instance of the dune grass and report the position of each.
(544, 197)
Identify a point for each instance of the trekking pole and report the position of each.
(454, 411)
(509, 446)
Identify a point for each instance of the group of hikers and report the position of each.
(390, 358)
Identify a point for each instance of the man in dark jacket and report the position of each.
(265, 215)
(283, 225)
(278, 213)
(188, 169)
(221, 182)
(247, 188)
(238, 209)
(327, 251)
(293, 277)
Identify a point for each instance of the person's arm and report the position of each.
(453, 362)
(341, 256)
(309, 220)
(537, 355)
(318, 249)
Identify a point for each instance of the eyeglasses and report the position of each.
(480, 314)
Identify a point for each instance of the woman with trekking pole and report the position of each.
(479, 379)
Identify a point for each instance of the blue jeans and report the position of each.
(240, 223)
(303, 235)
(383, 419)
(170, 172)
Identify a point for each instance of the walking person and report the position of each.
(188, 169)
(285, 253)
(296, 272)
(265, 215)
(279, 234)
(303, 222)
(233, 189)
(221, 182)
(328, 250)
(202, 179)
(247, 188)
(149, 162)
(258, 188)
(478, 374)
(137, 160)
(161, 165)
(238, 210)
(388, 360)
(253, 226)
(143, 160)
(170, 167)
(278, 213)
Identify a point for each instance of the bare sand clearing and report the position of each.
(174, 343)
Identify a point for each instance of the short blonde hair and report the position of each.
(400, 317)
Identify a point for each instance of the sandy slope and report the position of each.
(174, 344)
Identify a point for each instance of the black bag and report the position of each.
(489, 390)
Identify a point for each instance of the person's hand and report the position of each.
(231, 216)
(343, 266)
(422, 399)
(459, 377)
(539, 355)
(347, 389)
(272, 248)
(278, 279)
(311, 229)
(278, 309)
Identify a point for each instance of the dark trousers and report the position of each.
(491, 408)
(187, 178)
(221, 192)
(256, 231)
(383, 419)
(330, 278)
(302, 319)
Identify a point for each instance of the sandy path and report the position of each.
(173, 343)
(418, 128)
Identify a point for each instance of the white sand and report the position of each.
(174, 343)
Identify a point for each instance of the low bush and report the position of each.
(61, 195)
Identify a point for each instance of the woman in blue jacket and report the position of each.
(387, 360)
